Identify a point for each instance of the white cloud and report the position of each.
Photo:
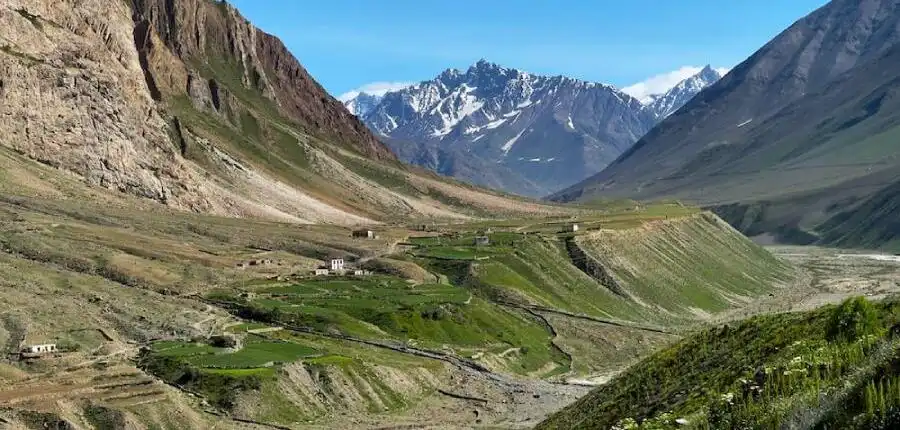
(660, 83)
(664, 82)
(375, 89)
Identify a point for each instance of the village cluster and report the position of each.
(337, 264)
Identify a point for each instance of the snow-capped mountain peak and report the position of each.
(363, 103)
(506, 128)
(665, 104)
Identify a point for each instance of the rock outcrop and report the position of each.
(204, 33)
(74, 97)
(116, 92)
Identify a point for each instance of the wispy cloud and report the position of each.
(664, 82)
(375, 89)
(660, 83)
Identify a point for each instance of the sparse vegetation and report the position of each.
(765, 372)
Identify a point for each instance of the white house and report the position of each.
(337, 265)
(574, 228)
(367, 234)
(321, 271)
(40, 349)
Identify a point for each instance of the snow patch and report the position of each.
(745, 123)
(490, 126)
(476, 139)
(535, 160)
(393, 123)
(511, 114)
(525, 104)
(509, 144)
(569, 123)
(468, 104)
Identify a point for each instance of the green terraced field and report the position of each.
(631, 266)
(540, 272)
(430, 315)
(256, 352)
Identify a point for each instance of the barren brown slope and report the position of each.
(186, 103)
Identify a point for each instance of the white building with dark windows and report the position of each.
(337, 265)
(34, 350)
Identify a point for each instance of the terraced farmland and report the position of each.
(432, 316)
(669, 265)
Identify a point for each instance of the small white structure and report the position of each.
(40, 349)
(573, 228)
(366, 234)
(361, 272)
(337, 265)
(321, 271)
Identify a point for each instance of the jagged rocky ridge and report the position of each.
(512, 130)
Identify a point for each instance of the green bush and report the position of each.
(853, 319)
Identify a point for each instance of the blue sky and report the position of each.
(347, 44)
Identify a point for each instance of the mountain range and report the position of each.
(793, 141)
(512, 130)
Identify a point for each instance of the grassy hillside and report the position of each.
(699, 265)
(830, 368)
(652, 266)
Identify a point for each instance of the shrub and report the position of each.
(222, 341)
(853, 319)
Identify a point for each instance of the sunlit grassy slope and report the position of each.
(836, 367)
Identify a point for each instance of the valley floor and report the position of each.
(828, 276)
(445, 335)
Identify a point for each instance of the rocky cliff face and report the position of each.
(183, 102)
(73, 95)
(203, 32)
